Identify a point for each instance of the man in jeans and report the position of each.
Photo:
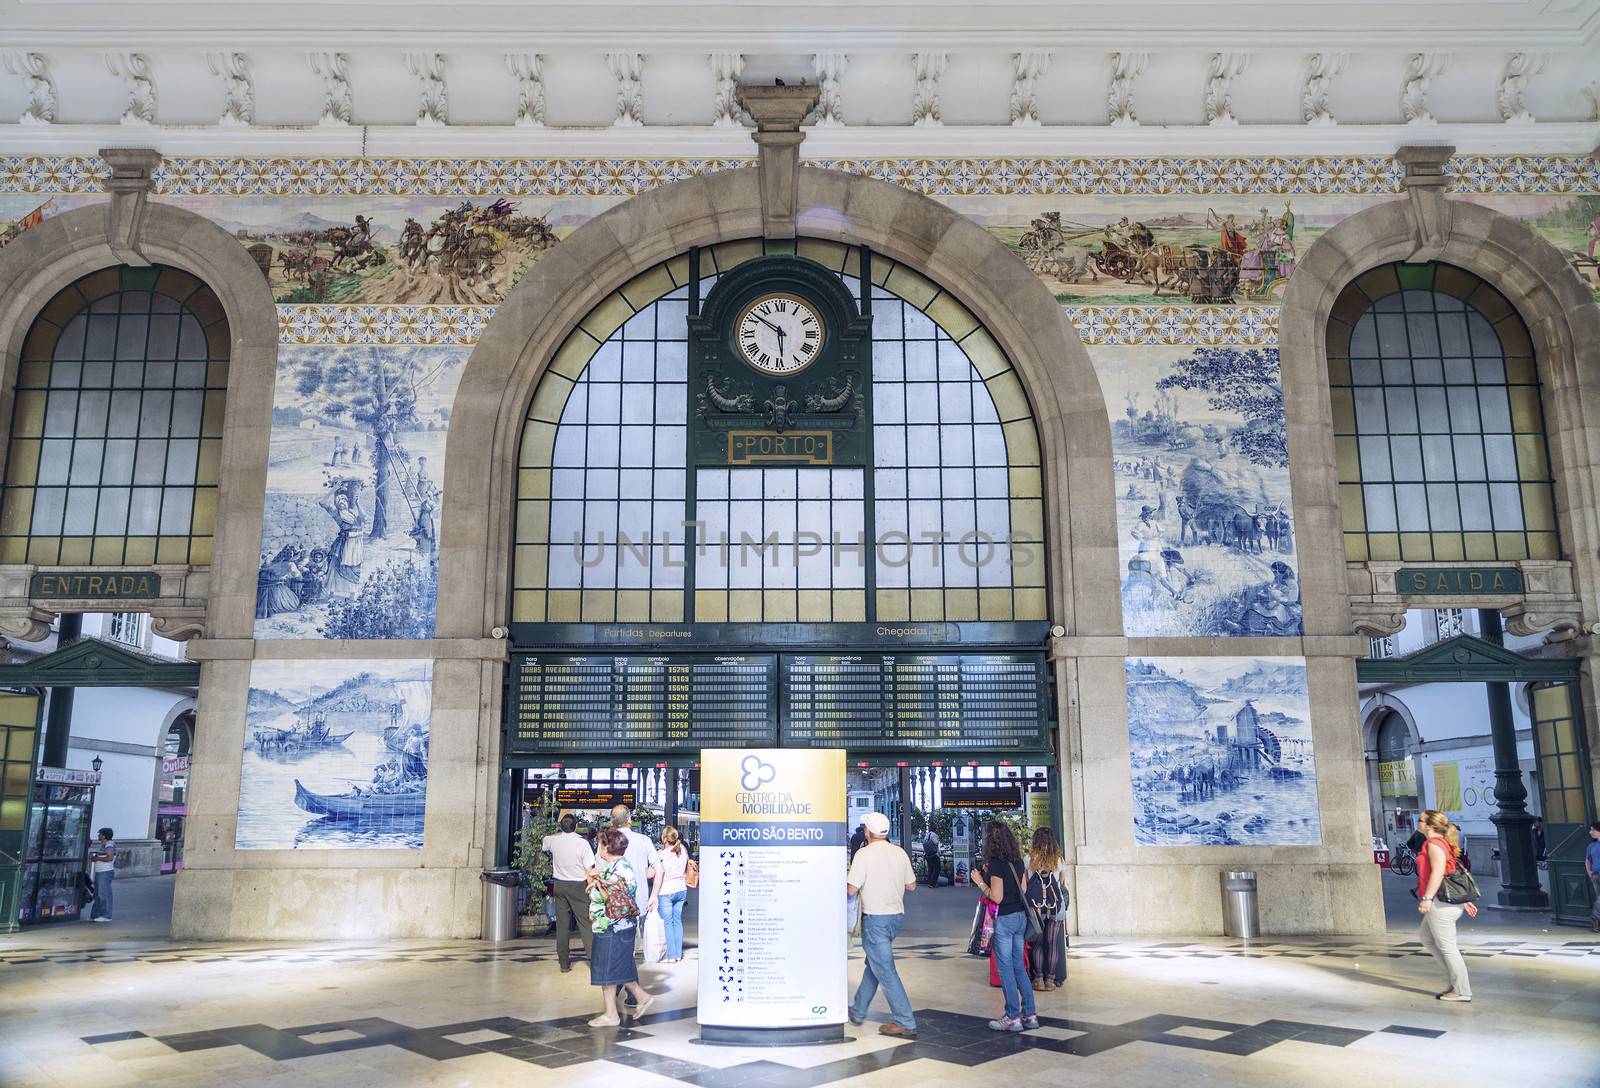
(570, 861)
(881, 874)
(103, 864)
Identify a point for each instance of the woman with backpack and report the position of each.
(1047, 895)
(1438, 859)
(613, 913)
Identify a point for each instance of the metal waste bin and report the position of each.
(499, 904)
(1240, 915)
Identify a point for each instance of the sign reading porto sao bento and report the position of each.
(772, 896)
(73, 585)
(1451, 581)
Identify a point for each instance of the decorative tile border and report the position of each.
(1285, 176)
(1243, 326)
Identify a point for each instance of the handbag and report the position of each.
(620, 904)
(1458, 886)
(691, 874)
(1035, 930)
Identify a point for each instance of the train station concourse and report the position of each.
(1154, 446)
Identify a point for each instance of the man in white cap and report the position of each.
(881, 874)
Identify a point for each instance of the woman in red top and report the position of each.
(1438, 858)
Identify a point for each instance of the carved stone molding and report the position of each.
(129, 185)
(928, 69)
(1027, 68)
(1320, 70)
(726, 68)
(1125, 68)
(334, 71)
(628, 70)
(25, 623)
(41, 109)
(1222, 68)
(433, 102)
(1425, 185)
(1421, 68)
(179, 623)
(528, 70)
(1512, 97)
(1548, 602)
(134, 70)
(1376, 621)
(778, 112)
(829, 67)
(238, 89)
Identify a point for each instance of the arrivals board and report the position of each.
(639, 702)
(916, 702)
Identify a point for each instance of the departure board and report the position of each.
(916, 702)
(641, 703)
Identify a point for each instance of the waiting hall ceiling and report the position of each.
(244, 76)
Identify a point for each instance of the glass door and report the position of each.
(1558, 744)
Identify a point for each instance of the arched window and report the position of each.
(1394, 739)
(116, 433)
(1437, 420)
(953, 491)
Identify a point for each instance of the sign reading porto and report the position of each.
(772, 902)
(1452, 581)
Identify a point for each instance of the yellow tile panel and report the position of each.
(948, 313)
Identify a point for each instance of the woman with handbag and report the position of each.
(672, 863)
(1444, 891)
(1001, 880)
(613, 913)
(1047, 895)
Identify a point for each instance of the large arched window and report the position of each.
(116, 433)
(952, 494)
(1437, 420)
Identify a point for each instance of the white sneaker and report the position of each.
(99, 919)
(1005, 1023)
(1453, 996)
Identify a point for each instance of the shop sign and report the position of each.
(772, 905)
(94, 585)
(67, 776)
(1458, 581)
(174, 764)
(1397, 778)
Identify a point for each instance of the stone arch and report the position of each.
(1376, 710)
(174, 712)
(1009, 300)
(129, 229)
(1562, 320)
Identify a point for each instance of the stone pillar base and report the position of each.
(1186, 898)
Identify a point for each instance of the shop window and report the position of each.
(953, 494)
(1437, 419)
(116, 433)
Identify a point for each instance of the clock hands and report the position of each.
(775, 328)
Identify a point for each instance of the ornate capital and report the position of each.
(24, 623)
(179, 623)
(1376, 620)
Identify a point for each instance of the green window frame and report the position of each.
(1438, 421)
(116, 430)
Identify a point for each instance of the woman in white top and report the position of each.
(671, 863)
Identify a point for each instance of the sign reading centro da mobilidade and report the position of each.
(772, 897)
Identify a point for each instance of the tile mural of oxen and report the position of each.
(1204, 514)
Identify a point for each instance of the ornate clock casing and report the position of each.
(752, 403)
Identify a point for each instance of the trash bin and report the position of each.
(1240, 916)
(499, 904)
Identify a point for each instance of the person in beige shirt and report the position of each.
(880, 875)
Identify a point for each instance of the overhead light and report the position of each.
(97, 763)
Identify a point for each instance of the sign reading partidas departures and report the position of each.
(772, 896)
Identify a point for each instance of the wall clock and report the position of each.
(779, 334)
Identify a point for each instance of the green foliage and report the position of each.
(528, 848)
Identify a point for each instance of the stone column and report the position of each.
(778, 111)
(1519, 869)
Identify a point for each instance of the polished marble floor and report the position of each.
(88, 1006)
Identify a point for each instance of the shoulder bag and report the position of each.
(691, 874)
(1458, 886)
(620, 904)
(1035, 931)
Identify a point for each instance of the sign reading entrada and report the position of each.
(1458, 580)
(88, 585)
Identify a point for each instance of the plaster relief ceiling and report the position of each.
(936, 76)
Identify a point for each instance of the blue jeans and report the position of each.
(1009, 929)
(877, 940)
(102, 895)
(670, 907)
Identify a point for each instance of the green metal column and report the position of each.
(1519, 863)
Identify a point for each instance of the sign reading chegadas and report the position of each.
(772, 896)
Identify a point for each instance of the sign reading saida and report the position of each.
(772, 897)
(1458, 581)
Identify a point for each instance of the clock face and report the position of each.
(779, 334)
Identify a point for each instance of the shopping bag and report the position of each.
(852, 914)
(655, 938)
